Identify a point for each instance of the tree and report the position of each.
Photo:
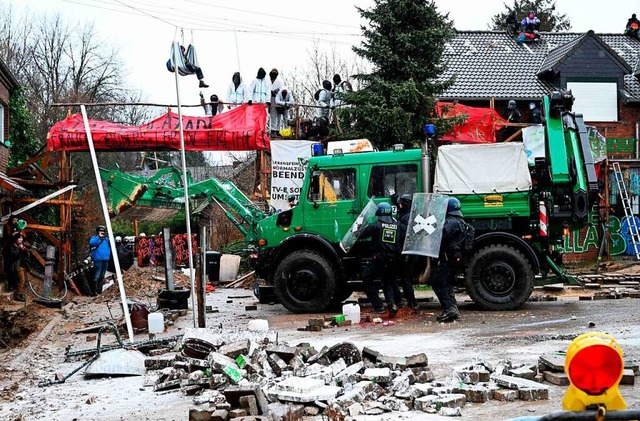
(21, 132)
(404, 42)
(545, 10)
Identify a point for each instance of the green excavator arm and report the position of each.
(165, 190)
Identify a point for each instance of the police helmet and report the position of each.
(512, 105)
(100, 228)
(532, 105)
(118, 239)
(384, 209)
(326, 84)
(453, 207)
(406, 199)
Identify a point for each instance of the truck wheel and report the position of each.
(499, 277)
(305, 282)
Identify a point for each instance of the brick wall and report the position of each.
(589, 251)
(624, 128)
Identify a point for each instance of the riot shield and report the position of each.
(424, 232)
(367, 215)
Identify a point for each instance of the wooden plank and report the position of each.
(40, 227)
(48, 202)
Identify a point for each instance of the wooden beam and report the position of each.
(513, 136)
(38, 227)
(25, 166)
(44, 184)
(48, 202)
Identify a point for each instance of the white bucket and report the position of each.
(351, 312)
(259, 325)
(156, 322)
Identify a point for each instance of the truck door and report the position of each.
(333, 202)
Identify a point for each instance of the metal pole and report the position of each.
(107, 220)
(186, 191)
(202, 321)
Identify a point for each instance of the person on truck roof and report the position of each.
(385, 250)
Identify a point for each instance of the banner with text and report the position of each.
(240, 129)
(287, 174)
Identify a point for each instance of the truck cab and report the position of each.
(300, 246)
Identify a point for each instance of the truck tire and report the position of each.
(305, 282)
(499, 277)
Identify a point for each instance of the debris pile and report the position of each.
(243, 374)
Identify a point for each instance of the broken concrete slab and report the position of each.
(348, 374)
(424, 403)
(378, 375)
(477, 393)
(560, 379)
(505, 395)
(324, 393)
(345, 350)
(235, 349)
(628, 377)
(300, 384)
(417, 360)
(552, 361)
(522, 372)
(451, 400)
(533, 394)
(283, 351)
(518, 383)
(370, 354)
(234, 393)
(219, 361)
(249, 404)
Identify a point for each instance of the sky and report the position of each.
(247, 34)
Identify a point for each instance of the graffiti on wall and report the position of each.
(576, 243)
(150, 250)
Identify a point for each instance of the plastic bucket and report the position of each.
(156, 322)
(351, 312)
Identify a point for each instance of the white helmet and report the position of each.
(118, 239)
(142, 234)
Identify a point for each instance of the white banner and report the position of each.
(287, 175)
(534, 142)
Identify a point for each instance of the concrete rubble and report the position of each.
(248, 377)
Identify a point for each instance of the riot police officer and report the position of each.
(410, 263)
(385, 249)
(444, 273)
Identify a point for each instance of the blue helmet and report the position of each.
(384, 209)
(453, 207)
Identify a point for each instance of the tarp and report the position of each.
(480, 169)
(479, 127)
(240, 129)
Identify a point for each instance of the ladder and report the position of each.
(626, 205)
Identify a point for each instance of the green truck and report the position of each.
(502, 196)
(520, 206)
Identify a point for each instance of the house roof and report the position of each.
(489, 64)
(7, 76)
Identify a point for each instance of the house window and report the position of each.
(597, 101)
(2, 116)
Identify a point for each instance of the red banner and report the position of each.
(240, 129)
(479, 127)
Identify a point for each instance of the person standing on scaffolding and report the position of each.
(276, 87)
(260, 91)
(237, 92)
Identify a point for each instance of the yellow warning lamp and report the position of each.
(594, 365)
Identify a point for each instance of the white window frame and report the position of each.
(2, 117)
(597, 101)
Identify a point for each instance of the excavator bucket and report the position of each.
(124, 190)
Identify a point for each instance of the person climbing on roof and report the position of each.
(633, 27)
(530, 23)
(237, 92)
(339, 88)
(511, 23)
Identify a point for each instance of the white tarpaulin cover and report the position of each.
(533, 139)
(469, 169)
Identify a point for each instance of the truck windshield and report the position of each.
(389, 179)
(333, 185)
